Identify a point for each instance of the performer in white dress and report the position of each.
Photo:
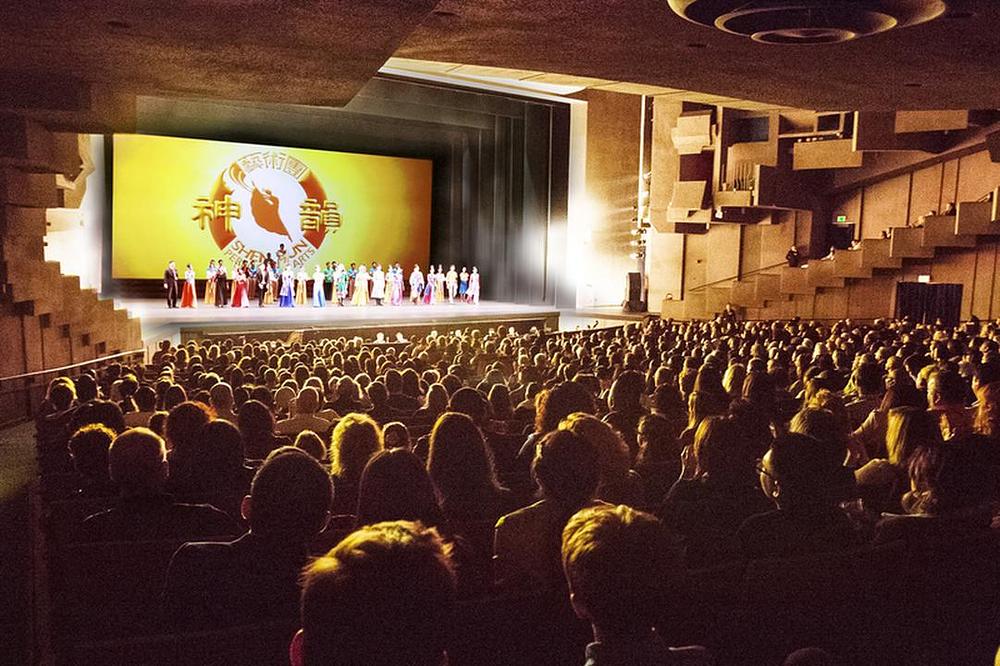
(361, 286)
(378, 284)
(416, 285)
(451, 280)
(473, 293)
(319, 298)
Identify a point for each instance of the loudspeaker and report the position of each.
(634, 300)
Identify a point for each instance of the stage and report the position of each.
(160, 322)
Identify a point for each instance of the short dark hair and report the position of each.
(291, 496)
(620, 564)
(383, 595)
(567, 468)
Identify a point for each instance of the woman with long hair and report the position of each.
(461, 467)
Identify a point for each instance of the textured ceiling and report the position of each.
(322, 52)
(318, 52)
(642, 41)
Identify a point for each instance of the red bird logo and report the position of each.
(264, 206)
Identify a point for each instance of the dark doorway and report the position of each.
(927, 303)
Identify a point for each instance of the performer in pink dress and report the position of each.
(397, 285)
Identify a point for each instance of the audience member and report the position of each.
(137, 461)
(253, 579)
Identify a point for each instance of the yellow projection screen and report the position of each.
(190, 201)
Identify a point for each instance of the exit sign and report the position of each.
(841, 219)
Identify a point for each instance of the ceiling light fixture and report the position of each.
(808, 21)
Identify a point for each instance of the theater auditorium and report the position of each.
(430, 332)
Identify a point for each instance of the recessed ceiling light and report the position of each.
(115, 24)
(444, 12)
(913, 84)
(697, 45)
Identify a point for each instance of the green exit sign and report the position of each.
(841, 219)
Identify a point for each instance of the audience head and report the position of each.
(290, 497)
(556, 404)
(89, 448)
(396, 435)
(312, 444)
(908, 430)
(137, 462)
(797, 473)
(459, 462)
(356, 438)
(620, 565)
(221, 397)
(567, 468)
(951, 479)
(395, 486)
(184, 424)
(383, 596)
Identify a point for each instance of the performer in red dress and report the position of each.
(188, 297)
(240, 290)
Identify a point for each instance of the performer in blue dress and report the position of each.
(287, 294)
(463, 283)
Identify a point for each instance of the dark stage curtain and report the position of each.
(928, 303)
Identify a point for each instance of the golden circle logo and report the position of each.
(266, 199)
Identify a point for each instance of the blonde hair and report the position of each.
(355, 439)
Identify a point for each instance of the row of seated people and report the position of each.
(869, 438)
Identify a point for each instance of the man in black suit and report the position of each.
(255, 578)
(137, 461)
(170, 284)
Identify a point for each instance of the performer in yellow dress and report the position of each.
(300, 287)
(210, 283)
(361, 286)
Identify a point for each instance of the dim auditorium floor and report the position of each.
(17, 474)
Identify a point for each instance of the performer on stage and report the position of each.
(319, 298)
(439, 285)
(275, 281)
(361, 286)
(287, 299)
(210, 283)
(473, 294)
(352, 274)
(378, 284)
(189, 297)
(463, 283)
(328, 281)
(451, 281)
(281, 254)
(300, 287)
(252, 271)
(264, 285)
(430, 286)
(416, 285)
(240, 289)
(396, 286)
(170, 284)
(340, 282)
(221, 285)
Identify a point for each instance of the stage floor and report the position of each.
(159, 322)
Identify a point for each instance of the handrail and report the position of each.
(738, 276)
(93, 361)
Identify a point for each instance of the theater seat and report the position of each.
(836, 601)
(251, 645)
(106, 590)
